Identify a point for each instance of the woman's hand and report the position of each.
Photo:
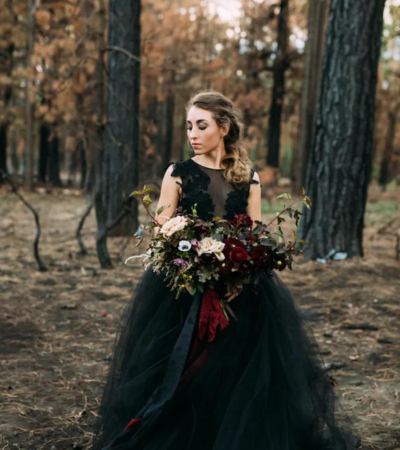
(234, 294)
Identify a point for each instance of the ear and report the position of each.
(224, 130)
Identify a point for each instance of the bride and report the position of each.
(258, 384)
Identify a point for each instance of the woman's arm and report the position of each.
(169, 195)
(254, 201)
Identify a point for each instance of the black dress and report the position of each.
(258, 384)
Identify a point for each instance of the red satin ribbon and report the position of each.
(212, 318)
(132, 422)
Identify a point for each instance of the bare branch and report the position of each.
(122, 50)
(14, 188)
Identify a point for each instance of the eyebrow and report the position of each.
(197, 121)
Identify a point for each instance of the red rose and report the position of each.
(233, 242)
(242, 220)
(238, 254)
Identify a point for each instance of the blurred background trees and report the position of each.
(87, 103)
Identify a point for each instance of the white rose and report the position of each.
(210, 245)
(173, 225)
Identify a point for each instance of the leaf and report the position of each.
(147, 201)
(285, 195)
(307, 202)
(303, 191)
(162, 208)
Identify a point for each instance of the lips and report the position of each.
(196, 145)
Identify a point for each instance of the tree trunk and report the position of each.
(181, 139)
(168, 130)
(278, 90)
(7, 64)
(121, 158)
(317, 18)
(14, 152)
(3, 148)
(29, 144)
(98, 135)
(54, 162)
(340, 161)
(84, 164)
(384, 176)
(43, 152)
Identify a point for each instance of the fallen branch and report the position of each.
(360, 326)
(39, 261)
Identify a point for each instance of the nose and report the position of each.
(192, 134)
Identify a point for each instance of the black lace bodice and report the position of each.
(212, 193)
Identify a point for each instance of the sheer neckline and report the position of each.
(204, 167)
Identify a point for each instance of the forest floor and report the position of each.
(57, 328)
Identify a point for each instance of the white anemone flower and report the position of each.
(184, 246)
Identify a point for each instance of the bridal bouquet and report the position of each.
(195, 254)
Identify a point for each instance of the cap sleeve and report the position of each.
(181, 169)
(178, 170)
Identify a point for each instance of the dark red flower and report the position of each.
(233, 242)
(245, 266)
(261, 256)
(226, 267)
(251, 239)
(242, 220)
(280, 262)
(238, 254)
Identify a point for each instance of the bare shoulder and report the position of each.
(171, 182)
(253, 208)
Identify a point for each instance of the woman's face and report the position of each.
(203, 132)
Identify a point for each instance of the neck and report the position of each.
(211, 159)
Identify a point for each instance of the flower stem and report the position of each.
(286, 209)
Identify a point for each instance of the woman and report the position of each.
(258, 384)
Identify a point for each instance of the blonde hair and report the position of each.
(236, 163)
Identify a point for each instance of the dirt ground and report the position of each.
(57, 327)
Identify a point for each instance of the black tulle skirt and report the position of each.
(258, 385)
